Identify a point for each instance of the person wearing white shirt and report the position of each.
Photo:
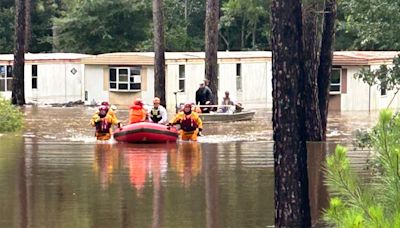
(158, 114)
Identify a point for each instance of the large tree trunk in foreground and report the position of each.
(18, 91)
(312, 28)
(290, 153)
(159, 51)
(326, 58)
(211, 39)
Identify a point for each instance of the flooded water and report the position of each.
(55, 174)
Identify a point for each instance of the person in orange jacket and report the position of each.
(136, 112)
(103, 122)
(191, 124)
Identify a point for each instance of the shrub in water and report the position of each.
(367, 202)
(10, 116)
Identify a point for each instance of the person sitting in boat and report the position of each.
(226, 101)
(191, 124)
(204, 97)
(158, 114)
(137, 113)
(103, 122)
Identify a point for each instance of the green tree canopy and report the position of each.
(369, 25)
(103, 26)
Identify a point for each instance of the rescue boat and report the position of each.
(145, 132)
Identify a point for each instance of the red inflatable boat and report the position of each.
(145, 132)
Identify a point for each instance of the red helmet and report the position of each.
(105, 103)
(188, 105)
(103, 111)
(156, 100)
(138, 101)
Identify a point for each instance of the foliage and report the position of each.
(6, 26)
(373, 24)
(242, 19)
(374, 202)
(11, 117)
(103, 26)
(386, 78)
(362, 139)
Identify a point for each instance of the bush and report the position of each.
(11, 117)
(367, 202)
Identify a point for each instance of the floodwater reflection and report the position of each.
(57, 175)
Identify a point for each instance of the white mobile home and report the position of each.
(121, 77)
(350, 94)
(49, 78)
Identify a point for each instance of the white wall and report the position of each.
(194, 74)
(357, 97)
(148, 95)
(55, 84)
(254, 85)
(94, 84)
(227, 81)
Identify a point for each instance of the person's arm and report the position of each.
(198, 121)
(95, 119)
(176, 119)
(164, 118)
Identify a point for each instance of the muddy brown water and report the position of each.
(55, 174)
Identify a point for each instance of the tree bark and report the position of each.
(326, 57)
(211, 46)
(18, 93)
(242, 31)
(159, 51)
(312, 27)
(28, 24)
(290, 153)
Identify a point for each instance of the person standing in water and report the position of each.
(103, 122)
(191, 124)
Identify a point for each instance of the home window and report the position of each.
(6, 78)
(182, 78)
(335, 81)
(34, 77)
(383, 91)
(125, 78)
(239, 77)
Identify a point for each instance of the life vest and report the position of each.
(188, 124)
(136, 114)
(155, 115)
(103, 126)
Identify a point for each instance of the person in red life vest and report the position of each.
(137, 113)
(158, 114)
(191, 124)
(103, 122)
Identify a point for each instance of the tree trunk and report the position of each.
(211, 39)
(326, 57)
(290, 153)
(253, 42)
(159, 51)
(18, 93)
(312, 25)
(242, 31)
(28, 25)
